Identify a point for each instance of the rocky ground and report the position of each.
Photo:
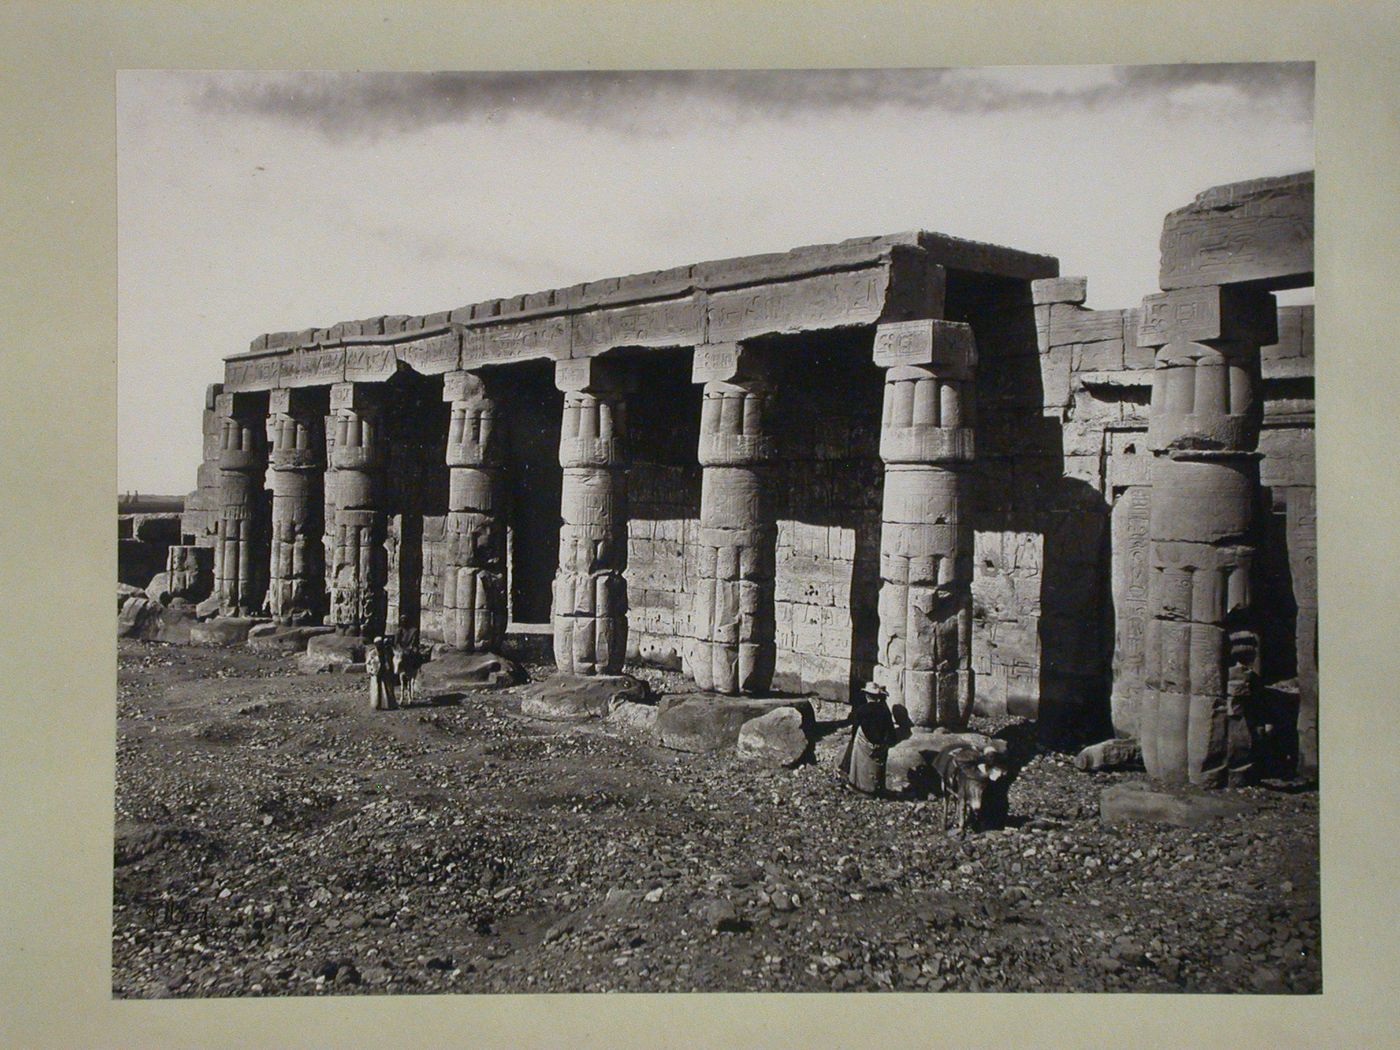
(276, 837)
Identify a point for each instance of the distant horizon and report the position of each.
(252, 202)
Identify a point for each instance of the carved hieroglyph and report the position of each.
(473, 577)
(1131, 561)
(358, 562)
(240, 562)
(590, 592)
(733, 648)
(296, 590)
(925, 605)
(1201, 667)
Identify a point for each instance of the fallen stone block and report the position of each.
(208, 608)
(778, 739)
(909, 771)
(638, 717)
(158, 590)
(1109, 755)
(705, 722)
(283, 639)
(1137, 800)
(453, 671)
(223, 630)
(177, 621)
(125, 591)
(577, 698)
(139, 617)
(331, 652)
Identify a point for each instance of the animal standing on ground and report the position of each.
(969, 776)
(408, 659)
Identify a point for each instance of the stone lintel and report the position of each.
(945, 346)
(1213, 313)
(1257, 232)
(859, 281)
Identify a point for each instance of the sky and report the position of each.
(266, 201)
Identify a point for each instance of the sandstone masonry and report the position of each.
(910, 458)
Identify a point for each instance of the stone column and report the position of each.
(590, 593)
(296, 592)
(734, 647)
(473, 585)
(926, 442)
(1302, 558)
(240, 568)
(359, 564)
(1203, 429)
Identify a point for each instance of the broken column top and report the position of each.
(1258, 232)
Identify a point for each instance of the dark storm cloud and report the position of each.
(351, 105)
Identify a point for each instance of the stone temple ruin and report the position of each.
(912, 458)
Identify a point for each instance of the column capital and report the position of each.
(1214, 313)
(464, 386)
(946, 348)
(591, 375)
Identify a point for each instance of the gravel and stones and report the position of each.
(277, 837)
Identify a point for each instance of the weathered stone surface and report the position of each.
(208, 608)
(176, 622)
(1109, 755)
(450, 671)
(779, 738)
(703, 722)
(125, 591)
(223, 630)
(1255, 231)
(284, 639)
(1136, 801)
(640, 718)
(578, 698)
(139, 617)
(158, 590)
(331, 652)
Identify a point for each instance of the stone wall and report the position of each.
(828, 483)
(663, 495)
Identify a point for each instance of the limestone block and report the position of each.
(701, 722)
(1258, 231)
(1109, 756)
(283, 639)
(946, 347)
(777, 739)
(139, 617)
(222, 631)
(1208, 314)
(1074, 324)
(1059, 290)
